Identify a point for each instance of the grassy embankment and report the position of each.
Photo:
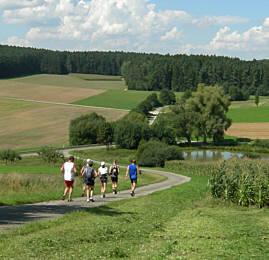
(178, 223)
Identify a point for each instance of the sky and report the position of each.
(234, 28)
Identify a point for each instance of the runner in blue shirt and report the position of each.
(132, 171)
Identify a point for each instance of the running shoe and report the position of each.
(88, 200)
(69, 200)
(63, 197)
(91, 199)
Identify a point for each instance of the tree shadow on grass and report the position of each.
(15, 215)
(107, 211)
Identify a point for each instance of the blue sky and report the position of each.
(231, 28)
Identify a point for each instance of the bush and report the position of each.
(9, 156)
(243, 182)
(84, 129)
(128, 134)
(261, 143)
(155, 153)
(50, 155)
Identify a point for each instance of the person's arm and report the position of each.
(95, 174)
(137, 170)
(127, 172)
(62, 168)
(75, 169)
(98, 173)
(82, 170)
(118, 170)
(110, 170)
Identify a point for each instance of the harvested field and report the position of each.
(25, 125)
(14, 89)
(72, 81)
(249, 130)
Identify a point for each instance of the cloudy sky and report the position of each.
(236, 28)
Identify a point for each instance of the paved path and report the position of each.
(12, 216)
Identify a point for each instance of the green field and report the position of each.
(123, 99)
(178, 223)
(247, 112)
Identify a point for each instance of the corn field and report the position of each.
(244, 182)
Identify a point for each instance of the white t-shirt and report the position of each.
(103, 171)
(69, 171)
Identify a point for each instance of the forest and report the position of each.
(143, 71)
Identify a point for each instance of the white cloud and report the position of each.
(254, 39)
(173, 34)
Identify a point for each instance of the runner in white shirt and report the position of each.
(102, 173)
(69, 170)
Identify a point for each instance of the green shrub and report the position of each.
(84, 129)
(50, 155)
(155, 153)
(261, 143)
(128, 134)
(9, 156)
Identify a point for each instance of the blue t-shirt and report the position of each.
(132, 171)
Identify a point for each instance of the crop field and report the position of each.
(14, 89)
(73, 81)
(123, 99)
(26, 124)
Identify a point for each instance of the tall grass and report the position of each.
(245, 182)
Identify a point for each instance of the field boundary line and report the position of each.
(60, 104)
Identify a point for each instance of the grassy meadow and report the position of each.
(123, 99)
(31, 180)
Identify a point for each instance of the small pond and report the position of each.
(214, 155)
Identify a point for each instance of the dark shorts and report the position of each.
(133, 180)
(69, 184)
(89, 183)
(114, 178)
(103, 179)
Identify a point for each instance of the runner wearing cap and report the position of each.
(132, 170)
(84, 179)
(114, 171)
(89, 175)
(102, 173)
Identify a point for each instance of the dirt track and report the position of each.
(249, 130)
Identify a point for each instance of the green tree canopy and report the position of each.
(211, 106)
(84, 129)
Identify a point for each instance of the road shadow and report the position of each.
(107, 211)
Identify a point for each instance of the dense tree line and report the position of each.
(144, 71)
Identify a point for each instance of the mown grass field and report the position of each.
(31, 180)
(178, 223)
(123, 99)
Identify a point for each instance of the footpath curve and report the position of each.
(13, 216)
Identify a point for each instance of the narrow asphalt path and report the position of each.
(13, 216)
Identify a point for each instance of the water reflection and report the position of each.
(214, 155)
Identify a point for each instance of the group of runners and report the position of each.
(89, 175)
